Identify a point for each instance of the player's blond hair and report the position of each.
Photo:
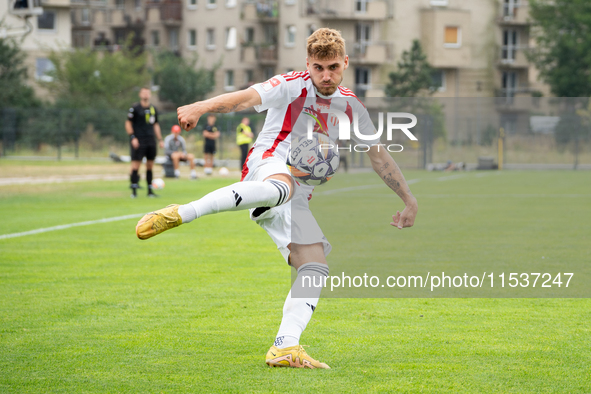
(326, 44)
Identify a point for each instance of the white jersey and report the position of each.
(288, 96)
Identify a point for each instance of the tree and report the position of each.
(180, 81)
(562, 30)
(414, 79)
(14, 92)
(88, 79)
(414, 74)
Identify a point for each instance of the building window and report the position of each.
(46, 21)
(192, 4)
(230, 3)
(509, 45)
(249, 35)
(120, 4)
(211, 4)
(81, 39)
(85, 16)
(311, 29)
(362, 80)
(510, 8)
(42, 67)
(155, 34)
(362, 37)
(192, 38)
(361, 5)
(439, 2)
(248, 77)
(210, 39)
(173, 39)
(509, 84)
(453, 37)
(230, 38)
(229, 80)
(138, 4)
(438, 81)
(268, 73)
(290, 35)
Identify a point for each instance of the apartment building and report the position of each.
(46, 27)
(477, 47)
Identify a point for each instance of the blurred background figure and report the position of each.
(244, 137)
(143, 130)
(176, 150)
(210, 134)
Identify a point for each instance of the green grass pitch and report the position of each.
(93, 309)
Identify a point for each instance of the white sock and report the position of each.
(301, 303)
(177, 173)
(239, 196)
(208, 170)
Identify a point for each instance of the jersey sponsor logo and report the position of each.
(270, 84)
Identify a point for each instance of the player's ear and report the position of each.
(307, 63)
(346, 62)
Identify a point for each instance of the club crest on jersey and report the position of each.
(270, 84)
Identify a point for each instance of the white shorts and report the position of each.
(277, 221)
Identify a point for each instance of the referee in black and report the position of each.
(143, 130)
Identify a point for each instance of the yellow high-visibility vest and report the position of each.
(241, 137)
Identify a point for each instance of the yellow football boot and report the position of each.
(294, 357)
(159, 221)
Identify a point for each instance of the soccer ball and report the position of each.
(224, 171)
(314, 161)
(158, 184)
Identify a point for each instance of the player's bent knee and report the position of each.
(287, 180)
(302, 254)
(284, 189)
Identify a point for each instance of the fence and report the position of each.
(85, 134)
(534, 132)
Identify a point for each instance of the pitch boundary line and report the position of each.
(66, 226)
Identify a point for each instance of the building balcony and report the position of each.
(263, 11)
(516, 99)
(55, 3)
(513, 57)
(515, 14)
(170, 12)
(370, 90)
(374, 53)
(349, 9)
(267, 55)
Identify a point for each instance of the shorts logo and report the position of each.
(237, 198)
(270, 84)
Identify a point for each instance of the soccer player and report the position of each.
(143, 129)
(176, 150)
(210, 134)
(243, 138)
(269, 191)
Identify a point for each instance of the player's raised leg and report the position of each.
(273, 191)
(310, 262)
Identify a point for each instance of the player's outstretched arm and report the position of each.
(189, 115)
(387, 169)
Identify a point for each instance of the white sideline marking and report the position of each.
(65, 226)
(118, 218)
(30, 180)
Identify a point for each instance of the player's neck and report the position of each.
(145, 104)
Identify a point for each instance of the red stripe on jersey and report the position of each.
(304, 74)
(245, 166)
(288, 122)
